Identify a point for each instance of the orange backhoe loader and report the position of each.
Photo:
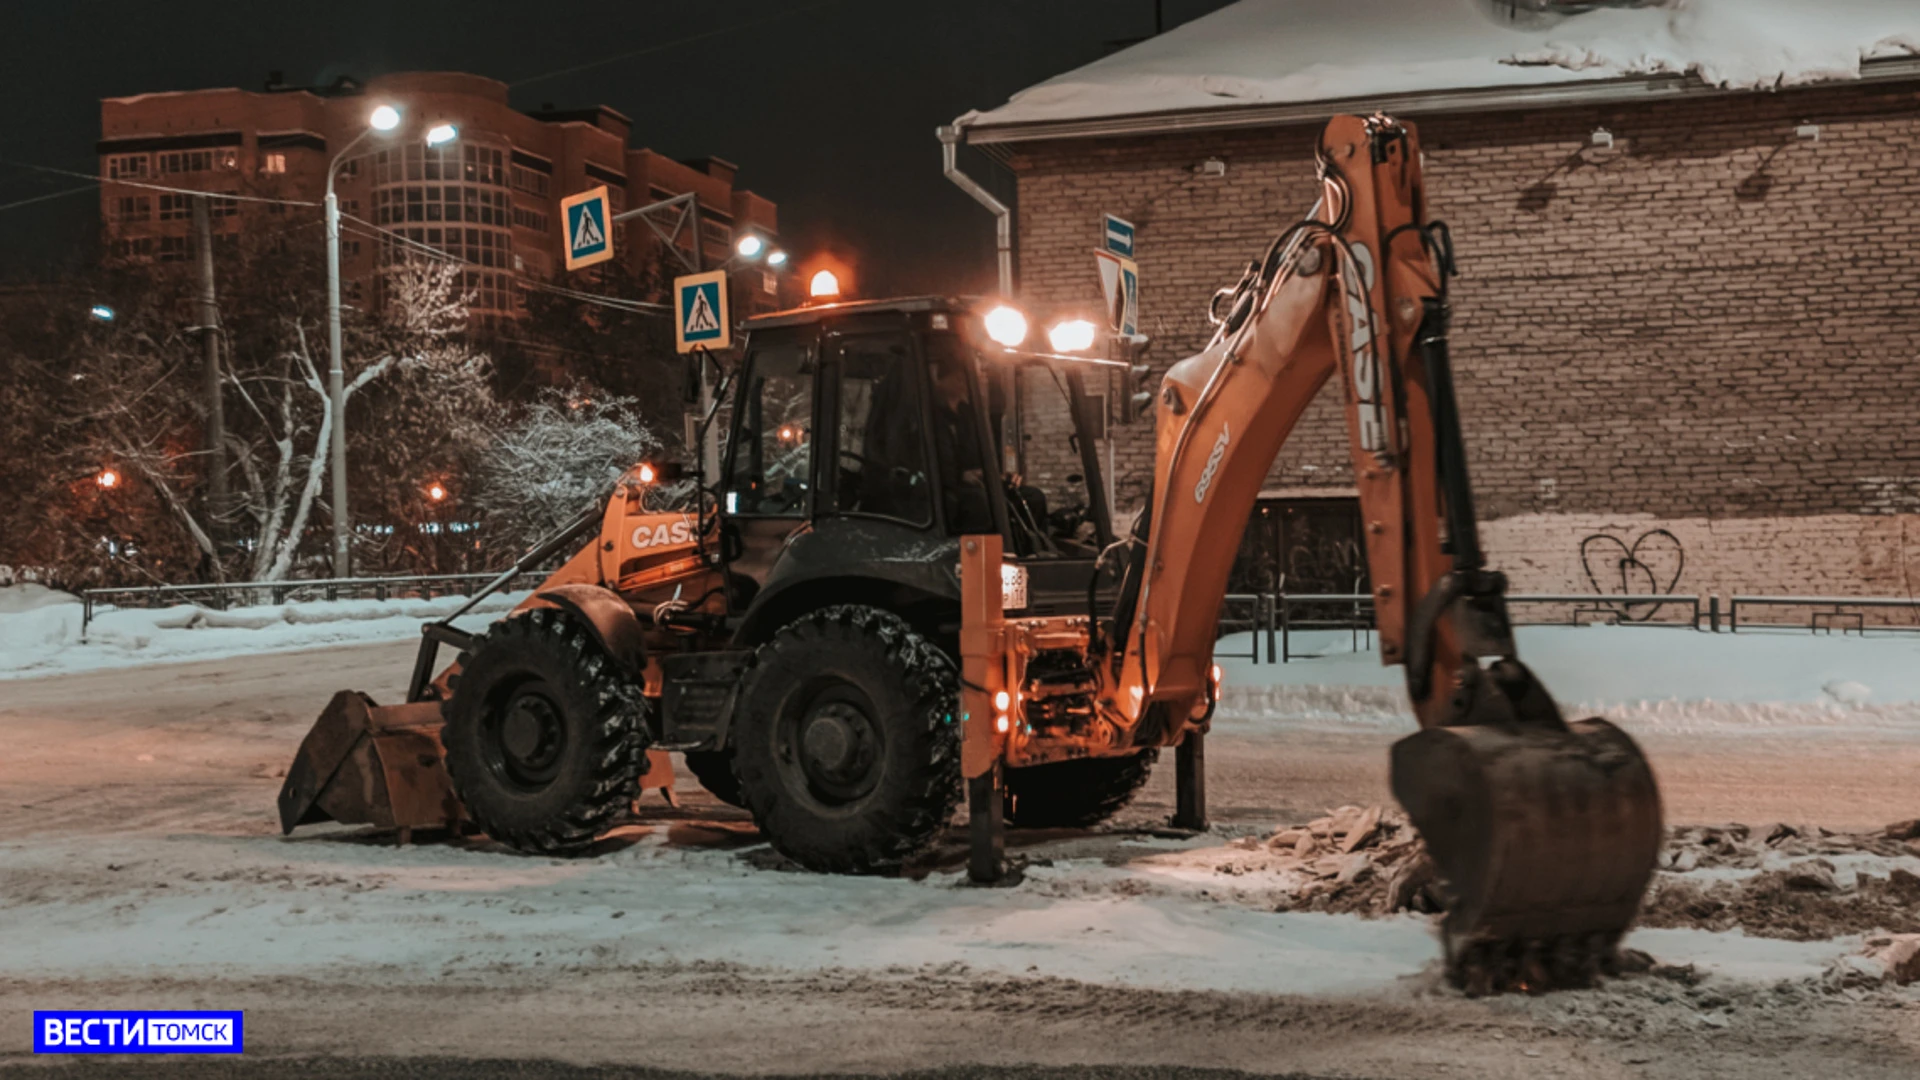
(864, 616)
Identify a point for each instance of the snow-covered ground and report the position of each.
(40, 629)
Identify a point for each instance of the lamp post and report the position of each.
(384, 118)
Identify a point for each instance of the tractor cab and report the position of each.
(865, 439)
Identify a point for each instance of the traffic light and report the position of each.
(1136, 402)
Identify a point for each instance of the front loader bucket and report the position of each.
(1546, 839)
(364, 764)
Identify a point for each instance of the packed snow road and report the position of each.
(140, 866)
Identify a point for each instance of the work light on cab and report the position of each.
(1071, 336)
(1007, 326)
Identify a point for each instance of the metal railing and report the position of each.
(1836, 615)
(246, 593)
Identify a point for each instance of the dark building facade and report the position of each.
(491, 197)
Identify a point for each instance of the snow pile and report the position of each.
(1295, 51)
(40, 629)
(1650, 677)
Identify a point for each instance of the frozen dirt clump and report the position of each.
(1354, 861)
(1801, 903)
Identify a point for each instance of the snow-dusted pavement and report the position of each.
(139, 863)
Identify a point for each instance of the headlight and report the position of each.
(1007, 326)
(1072, 336)
(1013, 587)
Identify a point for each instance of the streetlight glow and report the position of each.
(776, 257)
(384, 118)
(824, 283)
(441, 134)
(100, 313)
(749, 246)
(107, 479)
(436, 492)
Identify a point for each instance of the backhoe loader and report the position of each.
(863, 617)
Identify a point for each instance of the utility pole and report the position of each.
(218, 505)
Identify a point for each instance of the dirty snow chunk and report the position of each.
(1848, 692)
(1898, 954)
(1263, 52)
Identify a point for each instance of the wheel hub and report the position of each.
(836, 745)
(529, 740)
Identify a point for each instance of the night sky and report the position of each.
(830, 111)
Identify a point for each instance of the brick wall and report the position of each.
(1713, 321)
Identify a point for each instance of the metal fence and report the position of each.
(1265, 617)
(1354, 613)
(245, 593)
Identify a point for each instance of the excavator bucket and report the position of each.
(1546, 838)
(365, 764)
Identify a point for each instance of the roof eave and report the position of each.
(1490, 99)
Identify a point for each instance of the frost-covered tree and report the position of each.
(562, 455)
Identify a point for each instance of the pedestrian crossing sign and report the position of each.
(700, 312)
(589, 239)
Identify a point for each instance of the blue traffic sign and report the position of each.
(1119, 236)
(700, 312)
(589, 240)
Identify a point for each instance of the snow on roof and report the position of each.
(1278, 52)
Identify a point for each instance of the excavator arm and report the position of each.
(1545, 832)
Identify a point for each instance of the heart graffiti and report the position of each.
(1639, 567)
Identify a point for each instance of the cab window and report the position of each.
(772, 465)
(881, 432)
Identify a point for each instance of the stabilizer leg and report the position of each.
(986, 832)
(1190, 783)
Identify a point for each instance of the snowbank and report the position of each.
(1298, 51)
(1673, 680)
(40, 629)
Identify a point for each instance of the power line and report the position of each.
(674, 44)
(362, 227)
(98, 180)
(54, 195)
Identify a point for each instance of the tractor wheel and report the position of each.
(545, 738)
(714, 770)
(1075, 794)
(846, 741)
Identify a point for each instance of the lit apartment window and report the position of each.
(273, 163)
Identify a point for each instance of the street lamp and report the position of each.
(384, 118)
(776, 257)
(749, 246)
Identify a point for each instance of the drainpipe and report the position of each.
(1002, 214)
(1013, 458)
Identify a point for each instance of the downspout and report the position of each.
(949, 134)
(1002, 214)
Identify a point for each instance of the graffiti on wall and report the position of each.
(1649, 566)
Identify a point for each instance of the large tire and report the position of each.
(847, 741)
(714, 770)
(545, 737)
(1075, 794)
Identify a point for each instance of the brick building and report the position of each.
(1710, 326)
(502, 180)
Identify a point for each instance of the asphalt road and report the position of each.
(207, 1068)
